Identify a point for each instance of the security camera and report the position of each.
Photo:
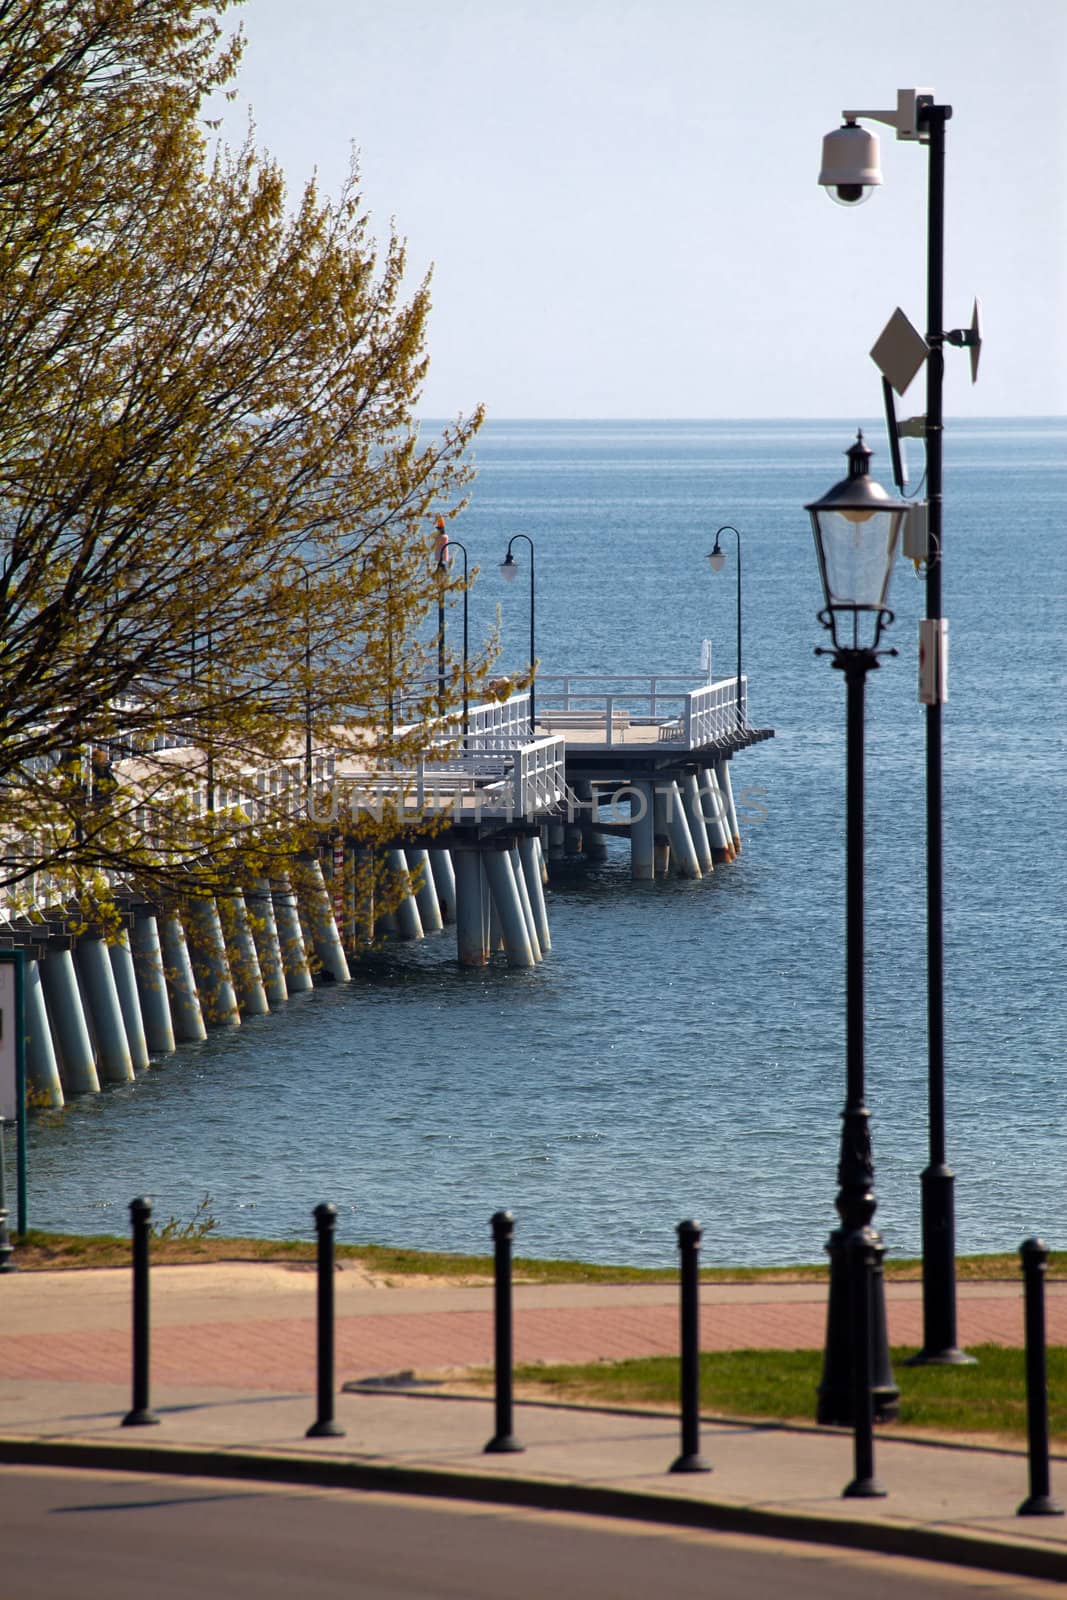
(850, 167)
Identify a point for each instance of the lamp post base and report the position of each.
(835, 1405)
(939, 1347)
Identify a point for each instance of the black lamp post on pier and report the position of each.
(508, 568)
(856, 527)
(444, 558)
(717, 557)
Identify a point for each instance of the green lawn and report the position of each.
(989, 1398)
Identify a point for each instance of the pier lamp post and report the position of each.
(508, 568)
(850, 170)
(856, 527)
(717, 557)
(444, 561)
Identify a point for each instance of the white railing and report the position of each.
(685, 715)
(522, 784)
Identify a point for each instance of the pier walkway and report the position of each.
(233, 1380)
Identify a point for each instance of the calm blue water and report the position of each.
(681, 1052)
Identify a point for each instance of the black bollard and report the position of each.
(7, 1249)
(141, 1223)
(860, 1261)
(1039, 1502)
(503, 1441)
(690, 1460)
(325, 1427)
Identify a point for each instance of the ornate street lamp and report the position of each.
(444, 560)
(856, 527)
(508, 568)
(717, 557)
(850, 171)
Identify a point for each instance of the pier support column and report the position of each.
(593, 843)
(426, 892)
(185, 1008)
(662, 845)
(211, 964)
(444, 878)
(244, 958)
(113, 1061)
(151, 976)
(363, 896)
(290, 936)
(264, 928)
(472, 944)
(408, 921)
(683, 851)
(715, 819)
(505, 894)
(319, 910)
(530, 858)
(555, 841)
(642, 833)
(70, 1033)
(694, 816)
(121, 958)
(42, 1068)
(722, 773)
(524, 902)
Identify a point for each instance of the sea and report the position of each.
(680, 1052)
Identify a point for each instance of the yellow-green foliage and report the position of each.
(216, 511)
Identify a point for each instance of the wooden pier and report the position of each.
(480, 816)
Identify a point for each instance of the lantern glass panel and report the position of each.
(856, 552)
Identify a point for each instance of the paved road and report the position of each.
(108, 1536)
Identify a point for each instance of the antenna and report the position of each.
(900, 469)
(970, 338)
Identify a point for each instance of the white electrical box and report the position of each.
(916, 536)
(933, 661)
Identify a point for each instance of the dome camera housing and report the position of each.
(850, 168)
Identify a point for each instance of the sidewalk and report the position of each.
(233, 1380)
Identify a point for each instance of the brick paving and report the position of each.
(276, 1353)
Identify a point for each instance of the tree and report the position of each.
(214, 501)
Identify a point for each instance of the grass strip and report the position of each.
(40, 1250)
(988, 1398)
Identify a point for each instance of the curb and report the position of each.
(926, 1544)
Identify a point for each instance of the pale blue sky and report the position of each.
(619, 203)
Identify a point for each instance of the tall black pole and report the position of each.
(855, 1201)
(938, 1180)
(510, 564)
(727, 528)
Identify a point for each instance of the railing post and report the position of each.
(1039, 1502)
(140, 1222)
(860, 1261)
(690, 1460)
(503, 1441)
(324, 1426)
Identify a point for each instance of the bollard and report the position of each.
(503, 1441)
(1039, 1502)
(690, 1460)
(7, 1249)
(859, 1264)
(140, 1222)
(324, 1426)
